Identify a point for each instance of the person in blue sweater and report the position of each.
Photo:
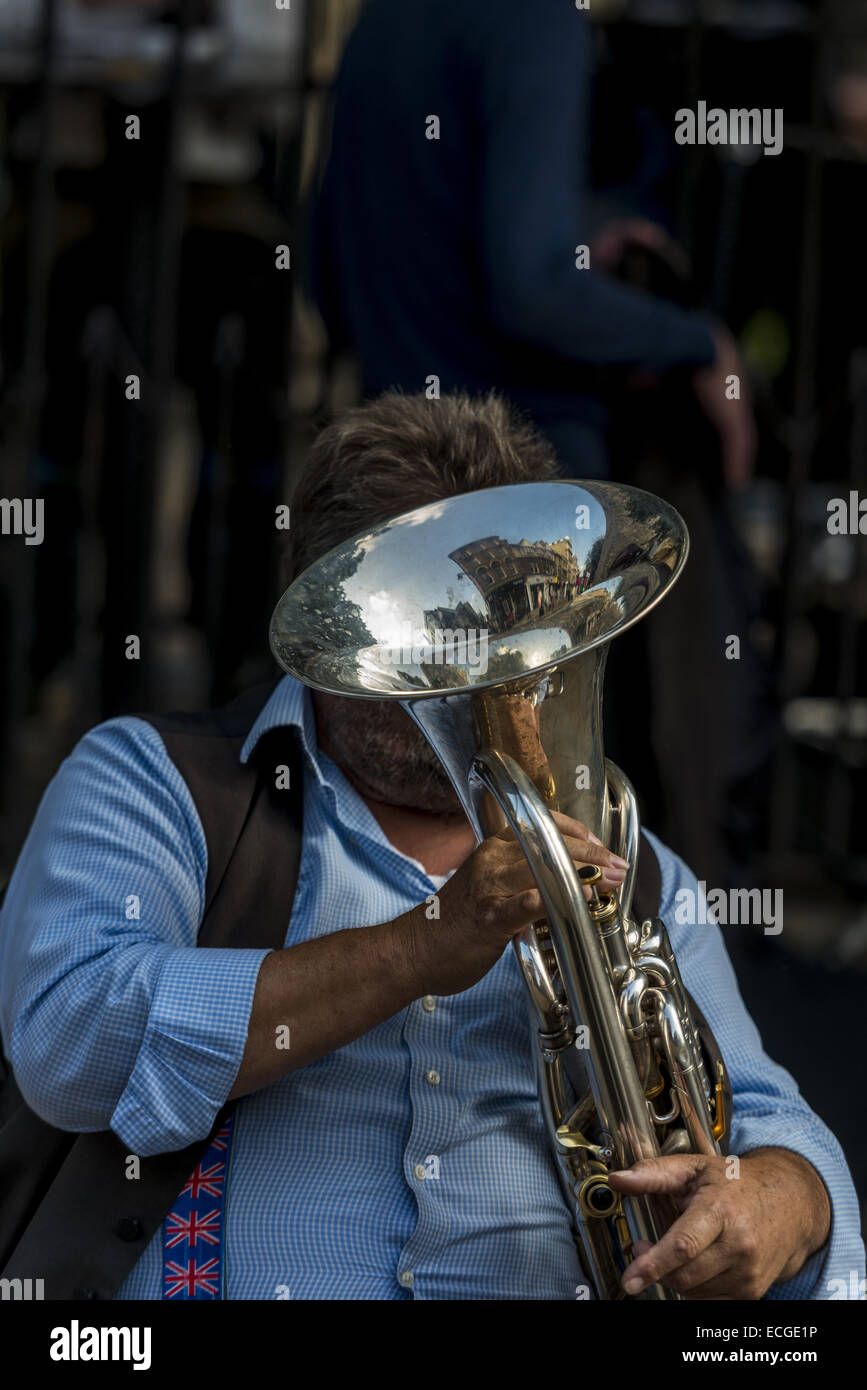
(447, 229)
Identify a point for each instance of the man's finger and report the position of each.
(568, 825)
(583, 847)
(598, 855)
(712, 1275)
(674, 1173)
(692, 1234)
(517, 875)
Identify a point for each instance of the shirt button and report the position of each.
(428, 1003)
(129, 1228)
(405, 1278)
(433, 1077)
(419, 1171)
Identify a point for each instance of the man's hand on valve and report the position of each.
(742, 1226)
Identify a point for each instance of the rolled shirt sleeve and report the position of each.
(768, 1110)
(112, 1018)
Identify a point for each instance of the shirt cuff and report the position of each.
(836, 1270)
(192, 1048)
(683, 338)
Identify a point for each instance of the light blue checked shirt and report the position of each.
(113, 1018)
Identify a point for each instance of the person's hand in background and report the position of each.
(611, 242)
(730, 414)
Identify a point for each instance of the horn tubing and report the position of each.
(581, 961)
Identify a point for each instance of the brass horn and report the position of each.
(488, 616)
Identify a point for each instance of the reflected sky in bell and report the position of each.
(429, 579)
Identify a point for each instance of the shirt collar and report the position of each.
(288, 706)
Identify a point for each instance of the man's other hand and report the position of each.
(742, 1226)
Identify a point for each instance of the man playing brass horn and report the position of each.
(386, 1140)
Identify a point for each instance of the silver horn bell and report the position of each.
(488, 616)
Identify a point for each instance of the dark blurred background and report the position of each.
(163, 368)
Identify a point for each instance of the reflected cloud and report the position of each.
(541, 570)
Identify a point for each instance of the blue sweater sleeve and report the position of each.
(768, 1109)
(112, 1017)
(533, 75)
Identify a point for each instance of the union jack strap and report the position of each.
(193, 1229)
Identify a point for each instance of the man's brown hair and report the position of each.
(398, 452)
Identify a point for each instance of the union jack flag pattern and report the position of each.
(193, 1229)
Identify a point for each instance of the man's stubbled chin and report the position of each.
(382, 753)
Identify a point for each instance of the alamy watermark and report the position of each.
(450, 647)
(757, 907)
(847, 516)
(23, 516)
(77, 1343)
(24, 1290)
(742, 126)
(855, 1288)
